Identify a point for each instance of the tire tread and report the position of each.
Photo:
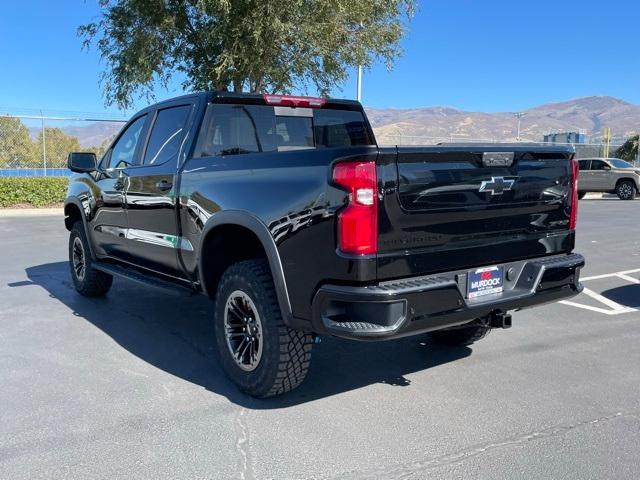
(294, 346)
(95, 283)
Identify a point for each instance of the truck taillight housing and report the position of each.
(575, 171)
(358, 221)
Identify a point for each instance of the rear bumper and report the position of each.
(410, 306)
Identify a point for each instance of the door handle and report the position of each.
(164, 186)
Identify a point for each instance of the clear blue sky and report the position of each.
(480, 55)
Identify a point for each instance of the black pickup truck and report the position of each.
(286, 212)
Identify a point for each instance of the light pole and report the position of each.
(355, 29)
(359, 84)
(519, 116)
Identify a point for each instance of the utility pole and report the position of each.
(519, 116)
(607, 142)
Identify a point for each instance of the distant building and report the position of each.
(566, 137)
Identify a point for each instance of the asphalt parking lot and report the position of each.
(128, 386)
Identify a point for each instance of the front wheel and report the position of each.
(626, 190)
(87, 280)
(257, 350)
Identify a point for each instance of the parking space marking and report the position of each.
(589, 307)
(609, 275)
(628, 278)
(614, 308)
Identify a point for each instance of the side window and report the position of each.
(583, 164)
(598, 165)
(122, 153)
(227, 130)
(166, 135)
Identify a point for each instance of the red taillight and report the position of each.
(290, 101)
(358, 222)
(575, 170)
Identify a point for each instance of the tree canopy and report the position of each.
(241, 45)
(58, 145)
(16, 147)
(19, 150)
(629, 150)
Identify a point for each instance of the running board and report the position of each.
(146, 280)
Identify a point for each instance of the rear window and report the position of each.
(617, 163)
(240, 129)
(340, 128)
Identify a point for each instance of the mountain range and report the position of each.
(429, 125)
(437, 124)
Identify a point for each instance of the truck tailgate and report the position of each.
(463, 206)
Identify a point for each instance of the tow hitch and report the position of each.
(500, 320)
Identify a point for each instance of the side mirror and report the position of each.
(81, 162)
(606, 167)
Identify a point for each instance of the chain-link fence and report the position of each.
(33, 145)
(38, 145)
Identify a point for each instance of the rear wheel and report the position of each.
(87, 280)
(463, 334)
(257, 350)
(626, 190)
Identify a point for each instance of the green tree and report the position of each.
(16, 147)
(629, 149)
(243, 45)
(58, 146)
(99, 151)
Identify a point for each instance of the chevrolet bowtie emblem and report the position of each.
(497, 185)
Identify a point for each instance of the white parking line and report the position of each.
(608, 275)
(614, 307)
(589, 307)
(628, 278)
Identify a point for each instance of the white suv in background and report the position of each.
(610, 175)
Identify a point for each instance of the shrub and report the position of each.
(32, 191)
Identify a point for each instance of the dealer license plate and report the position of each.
(485, 281)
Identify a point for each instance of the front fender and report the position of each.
(82, 209)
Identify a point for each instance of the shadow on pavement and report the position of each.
(176, 335)
(627, 295)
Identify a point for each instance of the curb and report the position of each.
(30, 212)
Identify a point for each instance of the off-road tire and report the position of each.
(286, 353)
(626, 190)
(93, 283)
(462, 335)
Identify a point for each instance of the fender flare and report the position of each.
(249, 221)
(632, 180)
(76, 201)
